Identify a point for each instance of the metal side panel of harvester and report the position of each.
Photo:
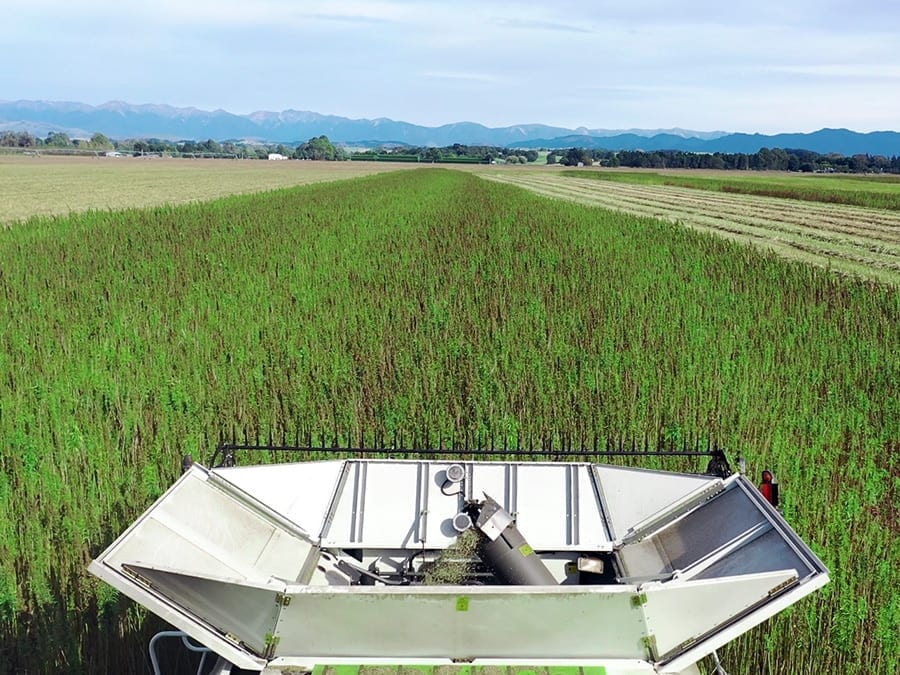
(386, 561)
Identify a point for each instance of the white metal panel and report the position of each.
(543, 502)
(284, 556)
(591, 523)
(341, 527)
(633, 495)
(644, 559)
(193, 626)
(197, 528)
(713, 603)
(385, 504)
(389, 512)
(559, 509)
(246, 611)
(495, 479)
(410, 504)
(301, 492)
(461, 622)
(153, 543)
(400, 504)
(741, 626)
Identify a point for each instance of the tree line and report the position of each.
(767, 159)
(99, 143)
(322, 148)
(317, 148)
(456, 153)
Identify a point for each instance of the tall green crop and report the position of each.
(427, 306)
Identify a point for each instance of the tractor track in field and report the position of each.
(850, 239)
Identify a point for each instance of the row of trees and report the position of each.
(58, 141)
(321, 148)
(767, 159)
(55, 139)
(456, 153)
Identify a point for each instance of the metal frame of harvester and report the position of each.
(571, 563)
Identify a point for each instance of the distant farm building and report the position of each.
(276, 155)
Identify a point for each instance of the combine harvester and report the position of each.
(571, 566)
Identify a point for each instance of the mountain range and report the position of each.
(121, 120)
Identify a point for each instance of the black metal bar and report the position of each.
(230, 447)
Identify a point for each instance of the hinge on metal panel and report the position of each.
(649, 642)
(271, 643)
(780, 587)
(638, 600)
(282, 599)
(683, 646)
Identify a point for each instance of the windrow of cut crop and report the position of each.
(882, 192)
(849, 240)
(428, 305)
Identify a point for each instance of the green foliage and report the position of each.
(319, 148)
(58, 139)
(100, 142)
(576, 156)
(430, 304)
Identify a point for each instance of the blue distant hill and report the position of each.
(824, 141)
(123, 120)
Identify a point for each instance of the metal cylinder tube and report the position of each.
(505, 550)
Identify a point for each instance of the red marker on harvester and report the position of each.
(769, 488)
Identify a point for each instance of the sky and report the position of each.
(763, 66)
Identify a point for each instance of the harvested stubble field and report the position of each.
(849, 239)
(429, 304)
(58, 185)
(878, 191)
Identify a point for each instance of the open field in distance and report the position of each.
(53, 185)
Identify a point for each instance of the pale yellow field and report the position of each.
(44, 186)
